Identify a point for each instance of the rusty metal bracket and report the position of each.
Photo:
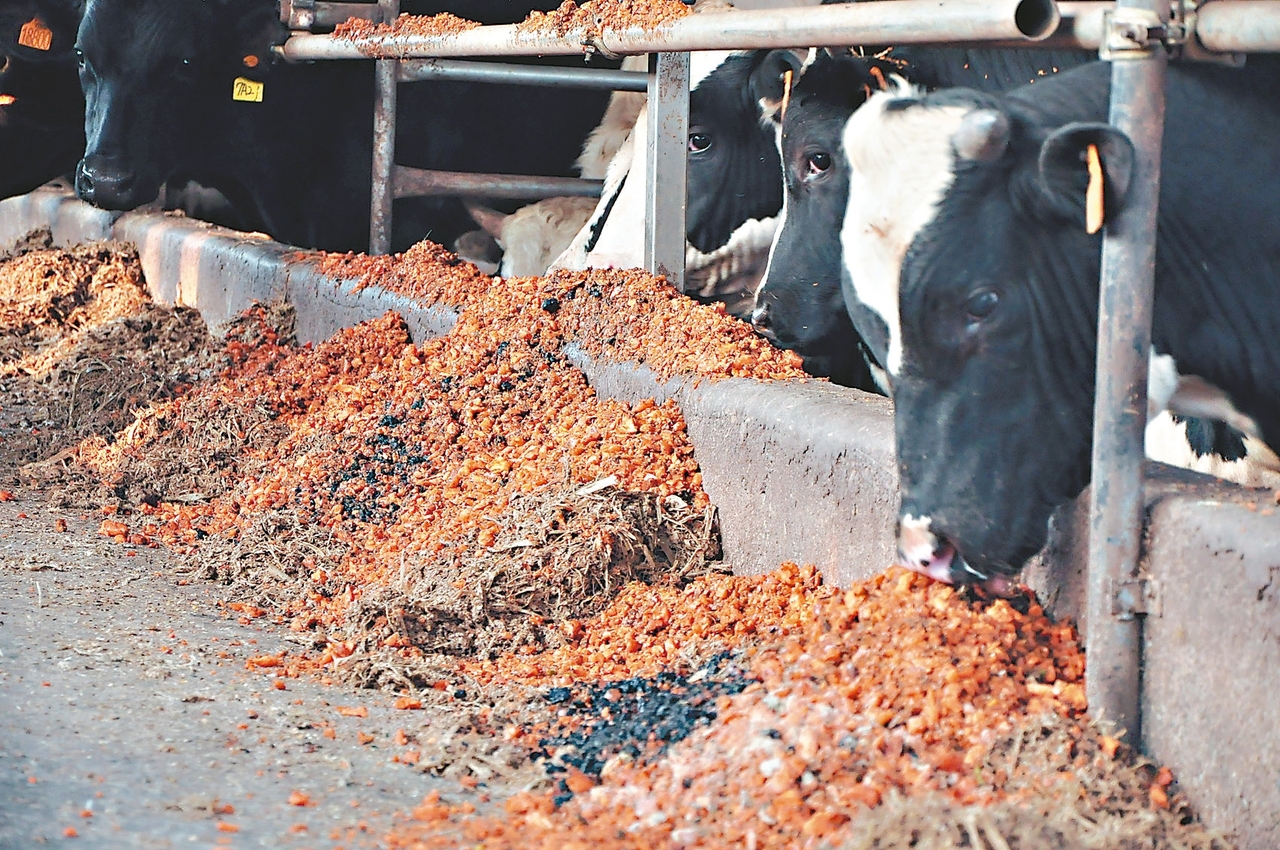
(298, 14)
(1133, 597)
(1129, 33)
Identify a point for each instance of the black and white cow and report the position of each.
(733, 192)
(41, 107)
(798, 305)
(290, 144)
(968, 270)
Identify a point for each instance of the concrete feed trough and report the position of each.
(806, 472)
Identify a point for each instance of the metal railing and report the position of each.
(1134, 34)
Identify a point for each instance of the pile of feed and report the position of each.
(899, 713)
(593, 310)
(359, 29)
(82, 347)
(466, 495)
(464, 520)
(595, 16)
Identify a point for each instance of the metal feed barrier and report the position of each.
(1137, 35)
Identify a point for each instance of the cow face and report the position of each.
(41, 108)
(965, 250)
(733, 163)
(799, 304)
(158, 77)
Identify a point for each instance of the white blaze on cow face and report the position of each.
(901, 164)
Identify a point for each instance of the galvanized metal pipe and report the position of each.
(1117, 509)
(1239, 26)
(384, 144)
(885, 22)
(416, 70)
(421, 182)
(667, 149)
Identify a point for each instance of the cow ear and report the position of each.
(983, 136)
(770, 81)
(1080, 183)
(258, 29)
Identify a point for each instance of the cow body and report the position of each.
(159, 77)
(799, 305)
(968, 271)
(41, 107)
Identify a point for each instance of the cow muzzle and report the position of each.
(106, 186)
(923, 551)
(762, 321)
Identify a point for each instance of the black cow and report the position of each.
(41, 107)
(173, 87)
(799, 305)
(974, 281)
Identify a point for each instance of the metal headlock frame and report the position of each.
(1136, 35)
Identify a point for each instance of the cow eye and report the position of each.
(699, 142)
(981, 303)
(818, 163)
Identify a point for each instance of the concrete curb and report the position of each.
(806, 472)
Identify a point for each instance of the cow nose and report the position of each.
(105, 186)
(762, 321)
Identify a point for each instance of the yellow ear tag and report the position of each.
(247, 90)
(786, 93)
(36, 35)
(1093, 212)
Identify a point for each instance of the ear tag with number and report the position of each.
(1093, 209)
(36, 35)
(247, 90)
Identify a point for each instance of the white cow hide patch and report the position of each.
(901, 165)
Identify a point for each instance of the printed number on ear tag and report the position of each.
(247, 90)
(36, 35)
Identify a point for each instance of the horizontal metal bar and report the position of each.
(1239, 26)
(420, 182)
(885, 22)
(532, 75)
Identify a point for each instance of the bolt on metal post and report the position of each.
(1126, 288)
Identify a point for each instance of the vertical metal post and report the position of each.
(667, 150)
(1114, 683)
(384, 143)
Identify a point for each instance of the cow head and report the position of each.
(733, 190)
(158, 77)
(41, 108)
(968, 267)
(799, 305)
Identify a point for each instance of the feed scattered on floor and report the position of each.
(536, 572)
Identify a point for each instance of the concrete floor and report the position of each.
(125, 693)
